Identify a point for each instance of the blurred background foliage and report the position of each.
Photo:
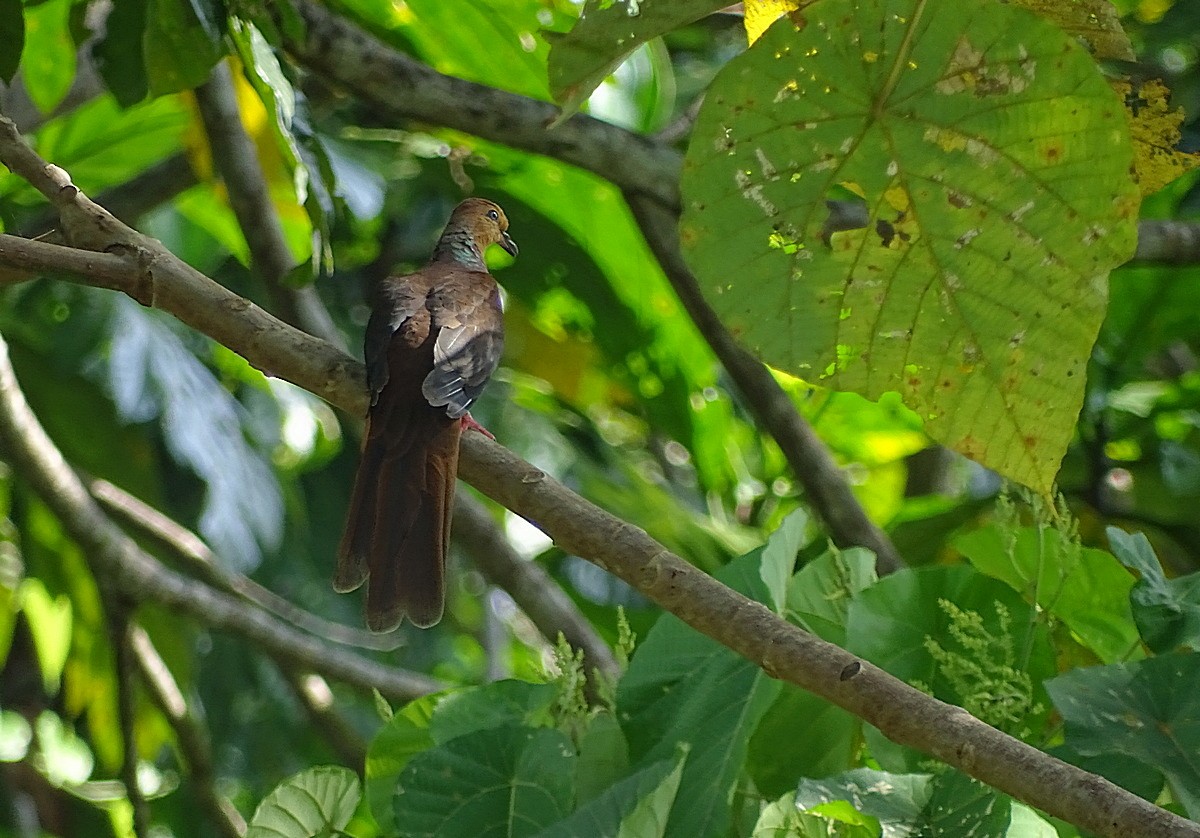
(606, 384)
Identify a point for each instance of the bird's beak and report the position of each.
(508, 244)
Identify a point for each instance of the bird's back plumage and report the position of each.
(433, 340)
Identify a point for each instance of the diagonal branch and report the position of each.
(190, 734)
(398, 88)
(118, 560)
(905, 715)
(236, 159)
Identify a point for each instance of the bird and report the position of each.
(433, 340)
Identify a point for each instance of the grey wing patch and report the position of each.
(464, 358)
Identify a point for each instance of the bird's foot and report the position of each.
(469, 424)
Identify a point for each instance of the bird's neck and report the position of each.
(459, 247)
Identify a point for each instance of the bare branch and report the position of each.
(117, 559)
(236, 159)
(190, 549)
(1168, 242)
(398, 87)
(784, 651)
(190, 734)
(530, 586)
(118, 610)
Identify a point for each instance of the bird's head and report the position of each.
(484, 222)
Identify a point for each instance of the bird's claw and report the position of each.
(469, 424)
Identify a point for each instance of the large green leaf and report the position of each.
(506, 781)
(1086, 588)
(316, 802)
(945, 805)
(993, 160)
(819, 596)
(683, 687)
(1148, 710)
(440, 718)
(1167, 611)
(636, 807)
(402, 738)
(893, 800)
(782, 751)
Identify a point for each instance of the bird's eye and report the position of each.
(492, 214)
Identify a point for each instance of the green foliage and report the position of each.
(1137, 712)
(1167, 611)
(974, 285)
(1085, 588)
(606, 33)
(318, 801)
(958, 278)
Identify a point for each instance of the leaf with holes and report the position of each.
(989, 162)
(1146, 711)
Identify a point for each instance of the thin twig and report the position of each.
(199, 560)
(116, 558)
(190, 734)
(119, 626)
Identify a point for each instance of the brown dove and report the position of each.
(433, 340)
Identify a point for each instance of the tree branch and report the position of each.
(190, 734)
(905, 715)
(813, 465)
(116, 558)
(399, 88)
(118, 611)
(189, 549)
(528, 583)
(236, 159)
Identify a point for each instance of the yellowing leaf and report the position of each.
(1094, 22)
(1154, 129)
(760, 14)
(993, 166)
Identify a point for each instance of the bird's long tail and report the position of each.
(398, 526)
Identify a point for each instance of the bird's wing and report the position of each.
(399, 300)
(466, 311)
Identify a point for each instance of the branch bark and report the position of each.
(190, 734)
(784, 651)
(400, 89)
(118, 560)
(236, 159)
(530, 586)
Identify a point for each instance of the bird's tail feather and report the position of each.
(399, 525)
